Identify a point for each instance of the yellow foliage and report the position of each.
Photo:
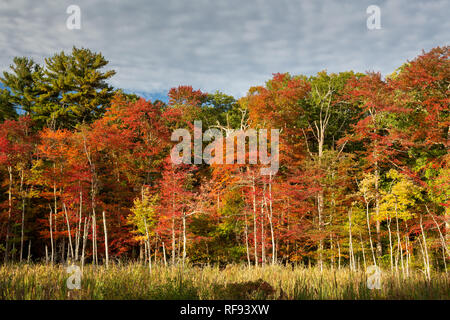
(400, 199)
(144, 213)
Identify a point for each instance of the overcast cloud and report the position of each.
(227, 45)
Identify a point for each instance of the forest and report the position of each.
(86, 174)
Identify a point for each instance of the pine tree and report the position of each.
(74, 89)
(7, 110)
(23, 83)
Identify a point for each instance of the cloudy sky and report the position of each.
(226, 45)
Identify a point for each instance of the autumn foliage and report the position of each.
(363, 179)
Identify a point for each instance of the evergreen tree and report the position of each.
(74, 89)
(23, 83)
(7, 110)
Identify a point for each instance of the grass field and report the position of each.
(134, 281)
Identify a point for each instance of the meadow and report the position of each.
(135, 281)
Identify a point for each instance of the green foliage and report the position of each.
(439, 191)
(23, 81)
(327, 96)
(71, 89)
(74, 88)
(218, 108)
(230, 228)
(7, 110)
(221, 238)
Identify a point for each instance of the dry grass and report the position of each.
(134, 281)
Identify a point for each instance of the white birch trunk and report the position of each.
(106, 240)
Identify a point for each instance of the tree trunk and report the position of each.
(352, 257)
(85, 234)
(141, 252)
(164, 255)
(22, 225)
(13, 257)
(320, 213)
(51, 234)
(106, 240)
(363, 252)
(447, 209)
(427, 262)
(377, 211)
(332, 251)
(339, 255)
(179, 247)
(94, 240)
(63, 249)
(445, 250)
(184, 238)
(390, 244)
(55, 213)
(272, 234)
(145, 251)
(370, 234)
(173, 241)
(407, 255)
(78, 235)
(245, 233)
(320, 195)
(148, 246)
(29, 251)
(246, 240)
(6, 258)
(263, 245)
(447, 227)
(255, 236)
(399, 243)
(68, 231)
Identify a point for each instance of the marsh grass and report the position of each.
(134, 281)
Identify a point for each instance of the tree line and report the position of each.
(363, 178)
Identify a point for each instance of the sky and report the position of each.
(226, 45)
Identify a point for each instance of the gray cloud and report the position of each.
(224, 45)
